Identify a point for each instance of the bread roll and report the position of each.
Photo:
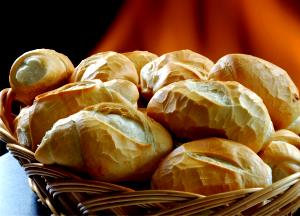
(66, 100)
(267, 80)
(22, 127)
(172, 67)
(194, 109)
(283, 158)
(126, 88)
(287, 136)
(111, 142)
(295, 126)
(38, 71)
(211, 165)
(105, 66)
(140, 58)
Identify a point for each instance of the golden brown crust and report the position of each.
(110, 141)
(283, 158)
(267, 80)
(140, 58)
(287, 136)
(210, 166)
(171, 67)
(126, 88)
(105, 66)
(68, 99)
(22, 127)
(38, 71)
(194, 109)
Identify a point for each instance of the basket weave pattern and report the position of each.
(66, 193)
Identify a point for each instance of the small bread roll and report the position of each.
(212, 165)
(171, 67)
(105, 66)
(111, 142)
(140, 58)
(267, 80)
(194, 109)
(283, 158)
(66, 100)
(38, 71)
(287, 136)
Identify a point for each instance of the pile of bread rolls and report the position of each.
(179, 120)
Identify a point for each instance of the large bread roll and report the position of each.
(283, 158)
(171, 67)
(38, 71)
(211, 165)
(269, 81)
(111, 142)
(194, 109)
(66, 100)
(105, 66)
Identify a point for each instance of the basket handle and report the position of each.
(6, 101)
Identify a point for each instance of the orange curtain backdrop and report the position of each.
(269, 29)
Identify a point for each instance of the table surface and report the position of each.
(16, 197)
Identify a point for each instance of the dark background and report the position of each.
(70, 27)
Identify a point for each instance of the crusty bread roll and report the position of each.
(105, 66)
(282, 157)
(38, 71)
(211, 165)
(267, 80)
(111, 142)
(66, 100)
(140, 58)
(295, 126)
(171, 67)
(22, 127)
(126, 88)
(287, 136)
(194, 109)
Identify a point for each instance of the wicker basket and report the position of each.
(66, 193)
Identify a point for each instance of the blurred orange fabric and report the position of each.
(269, 29)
